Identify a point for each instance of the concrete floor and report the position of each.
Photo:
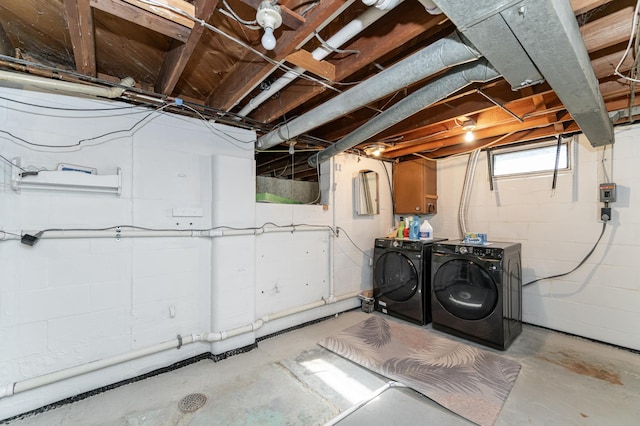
(290, 380)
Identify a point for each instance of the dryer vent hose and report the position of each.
(466, 191)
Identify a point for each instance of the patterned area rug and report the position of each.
(471, 382)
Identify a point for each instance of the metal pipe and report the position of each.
(454, 80)
(499, 105)
(66, 86)
(444, 53)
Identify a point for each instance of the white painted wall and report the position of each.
(557, 229)
(67, 302)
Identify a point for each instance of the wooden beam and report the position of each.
(582, 6)
(250, 71)
(290, 19)
(608, 31)
(81, 31)
(606, 65)
(6, 48)
(481, 134)
(166, 13)
(143, 18)
(178, 56)
(303, 59)
(521, 136)
(370, 50)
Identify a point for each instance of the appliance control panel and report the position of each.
(487, 252)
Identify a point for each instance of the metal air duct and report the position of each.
(457, 78)
(527, 40)
(444, 53)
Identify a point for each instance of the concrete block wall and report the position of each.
(557, 229)
(67, 302)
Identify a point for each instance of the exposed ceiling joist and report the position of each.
(180, 53)
(143, 18)
(80, 21)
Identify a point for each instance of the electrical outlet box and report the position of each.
(607, 192)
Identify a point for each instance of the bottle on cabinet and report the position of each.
(400, 233)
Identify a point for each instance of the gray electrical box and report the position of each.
(607, 192)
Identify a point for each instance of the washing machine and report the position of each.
(477, 291)
(401, 278)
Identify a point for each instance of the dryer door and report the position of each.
(395, 277)
(465, 289)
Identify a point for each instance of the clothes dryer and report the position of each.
(402, 278)
(477, 291)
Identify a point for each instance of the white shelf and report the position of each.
(58, 180)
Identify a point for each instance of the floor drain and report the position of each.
(192, 402)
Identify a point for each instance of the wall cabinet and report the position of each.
(415, 187)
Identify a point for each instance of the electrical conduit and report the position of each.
(128, 233)
(47, 379)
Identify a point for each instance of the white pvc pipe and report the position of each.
(65, 86)
(57, 376)
(345, 34)
(138, 233)
(431, 7)
(36, 382)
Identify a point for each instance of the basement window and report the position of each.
(531, 159)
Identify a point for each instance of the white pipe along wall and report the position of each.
(98, 298)
(36, 382)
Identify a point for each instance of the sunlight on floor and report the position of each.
(348, 387)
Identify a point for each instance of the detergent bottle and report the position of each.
(426, 231)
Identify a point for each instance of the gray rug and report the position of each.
(471, 382)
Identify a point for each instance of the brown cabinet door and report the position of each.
(415, 187)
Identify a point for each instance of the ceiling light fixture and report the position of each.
(374, 150)
(468, 125)
(269, 17)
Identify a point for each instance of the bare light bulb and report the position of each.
(468, 137)
(268, 40)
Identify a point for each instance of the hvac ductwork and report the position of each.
(442, 87)
(444, 53)
(531, 40)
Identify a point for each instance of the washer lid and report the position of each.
(395, 277)
(465, 289)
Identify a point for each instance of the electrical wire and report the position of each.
(339, 228)
(68, 109)
(331, 48)
(230, 12)
(11, 162)
(133, 129)
(604, 225)
(634, 29)
(324, 82)
(263, 228)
